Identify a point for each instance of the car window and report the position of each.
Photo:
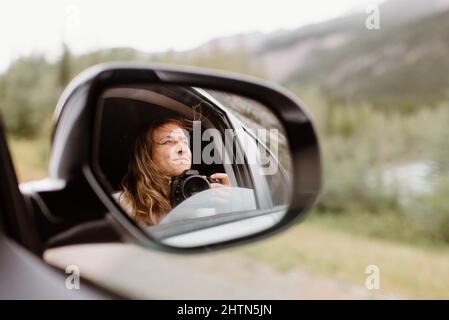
(278, 179)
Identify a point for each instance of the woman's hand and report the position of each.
(223, 178)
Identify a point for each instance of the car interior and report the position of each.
(140, 106)
(124, 111)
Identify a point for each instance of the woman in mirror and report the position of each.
(161, 152)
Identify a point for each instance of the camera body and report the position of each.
(188, 184)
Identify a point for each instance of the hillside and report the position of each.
(407, 63)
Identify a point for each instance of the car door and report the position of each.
(23, 274)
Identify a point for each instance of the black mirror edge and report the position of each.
(75, 120)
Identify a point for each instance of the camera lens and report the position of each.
(194, 184)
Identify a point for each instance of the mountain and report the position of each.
(285, 52)
(405, 60)
(410, 62)
(308, 48)
(405, 64)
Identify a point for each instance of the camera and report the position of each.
(188, 184)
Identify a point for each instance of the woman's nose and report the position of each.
(181, 148)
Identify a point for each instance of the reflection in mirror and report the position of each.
(193, 166)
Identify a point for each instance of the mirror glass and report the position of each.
(193, 166)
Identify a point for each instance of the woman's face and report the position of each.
(170, 150)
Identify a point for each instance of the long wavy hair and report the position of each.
(145, 189)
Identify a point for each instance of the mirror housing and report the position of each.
(75, 193)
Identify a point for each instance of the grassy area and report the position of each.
(316, 246)
(388, 225)
(30, 157)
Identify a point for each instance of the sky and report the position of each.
(28, 27)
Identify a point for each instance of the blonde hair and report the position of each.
(145, 188)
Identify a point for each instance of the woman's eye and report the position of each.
(173, 141)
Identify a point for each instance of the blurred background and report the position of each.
(374, 75)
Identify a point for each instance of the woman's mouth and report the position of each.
(182, 160)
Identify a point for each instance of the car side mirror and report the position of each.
(183, 159)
